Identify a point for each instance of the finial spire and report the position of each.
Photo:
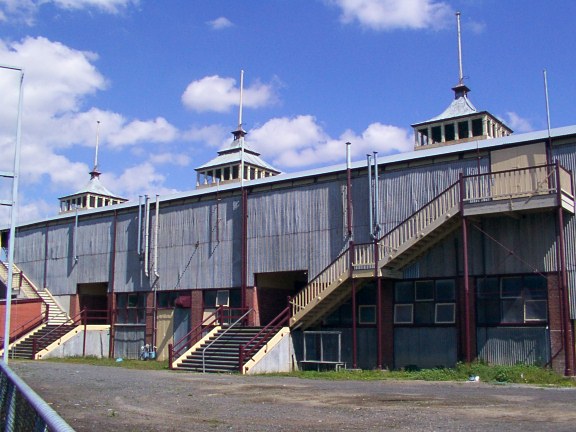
(460, 89)
(241, 97)
(240, 132)
(95, 173)
(461, 74)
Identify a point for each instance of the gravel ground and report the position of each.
(95, 398)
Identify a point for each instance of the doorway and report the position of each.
(94, 298)
(273, 290)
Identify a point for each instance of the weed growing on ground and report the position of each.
(518, 374)
(128, 364)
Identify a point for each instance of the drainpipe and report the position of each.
(139, 224)
(354, 335)
(156, 228)
(75, 241)
(146, 232)
(376, 227)
(370, 211)
(45, 281)
(565, 304)
(112, 303)
(156, 275)
(348, 190)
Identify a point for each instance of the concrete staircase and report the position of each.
(45, 336)
(223, 354)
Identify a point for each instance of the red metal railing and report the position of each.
(81, 318)
(222, 315)
(247, 351)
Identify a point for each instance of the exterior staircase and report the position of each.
(26, 289)
(45, 336)
(526, 189)
(221, 351)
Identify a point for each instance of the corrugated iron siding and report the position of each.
(566, 155)
(425, 347)
(513, 345)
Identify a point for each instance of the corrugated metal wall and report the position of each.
(127, 341)
(566, 155)
(425, 347)
(513, 345)
(297, 227)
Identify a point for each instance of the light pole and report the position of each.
(14, 175)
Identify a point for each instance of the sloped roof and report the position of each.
(233, 155)
(457, 108)
(94, 186)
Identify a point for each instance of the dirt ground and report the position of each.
(94, 398)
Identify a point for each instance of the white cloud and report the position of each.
(140, 179)
(170, 158)
(26, 10)
(301, 142)
(57, 83)
(214, 93)
(392, 14)
(213, 135)
(220, 23)
(157, 130)
(517, 123)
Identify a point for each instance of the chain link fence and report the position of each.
(22, 410)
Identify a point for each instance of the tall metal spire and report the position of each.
(95, 173)
(460, 89)
(240, 132)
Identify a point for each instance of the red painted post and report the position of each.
(170, 355)
(84, 319)
(240, 358)
(354, 335)
(565, 303)
(466, 291)
(379, 343)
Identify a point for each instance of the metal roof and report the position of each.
(484, 144)
(233, 155)
(458, 107)
(94, 186)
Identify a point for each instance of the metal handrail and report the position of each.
(262, 336)
(175, 350)
(220, 335)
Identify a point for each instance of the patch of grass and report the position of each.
(518, 374)
(128, 364)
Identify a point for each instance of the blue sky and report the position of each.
(162, 77)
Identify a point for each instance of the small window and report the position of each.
(488, 288)
(463, 129)
(512, 311)
(403, 314)
(424, 290)
(404, 292)
(424, 312)
(367, 314)
(132, 300)
(477, 128)
(449, 134)
(445, 290)
(511, 287)
(437, 134)
(445, 313)
(222, 298)
(536, 310)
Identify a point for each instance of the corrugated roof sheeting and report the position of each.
(566, 156)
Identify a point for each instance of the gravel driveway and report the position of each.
(95, 398)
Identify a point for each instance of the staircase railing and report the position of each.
(440, 208)
(231, 326)
(178, 348)
(16, 272)
(337, 270)
(247, 351)
(79, 319)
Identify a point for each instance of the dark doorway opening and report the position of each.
(273, 290)
(94, 298)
